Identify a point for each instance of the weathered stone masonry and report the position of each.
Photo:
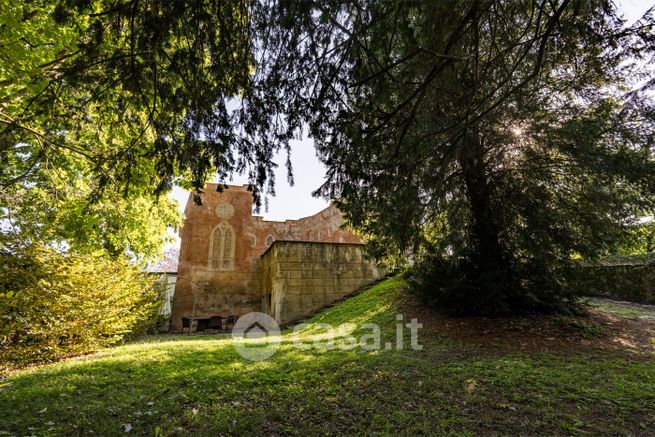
(222, 274)
(301, 277)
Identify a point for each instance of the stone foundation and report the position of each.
(302, 277)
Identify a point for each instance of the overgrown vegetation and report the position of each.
(492, 141)
(467, 288)
(54, 304)
(200, 385)
(78, 213)
(629, 281)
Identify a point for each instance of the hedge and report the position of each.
(54, 304)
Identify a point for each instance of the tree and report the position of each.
(103, 105)
(492, 140)
(138, 89)
(56, 204)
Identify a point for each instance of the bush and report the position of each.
(54, 304)
(467, 289)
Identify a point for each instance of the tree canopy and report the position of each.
(124, 84)
(104, 104)
(491, 141)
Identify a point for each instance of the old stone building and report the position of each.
(232, 263)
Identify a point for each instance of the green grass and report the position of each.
(199, 384)
(622, 308)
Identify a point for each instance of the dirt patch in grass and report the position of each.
(597, 331)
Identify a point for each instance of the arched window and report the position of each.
(221, 251)
(269, 240)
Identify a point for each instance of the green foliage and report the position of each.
(55, 304)
(639, 241)
(76, 135)
(82, 103)
(54, 208)
(466, 288)
(497, 139)
(137, 89)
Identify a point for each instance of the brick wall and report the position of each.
(233, 285)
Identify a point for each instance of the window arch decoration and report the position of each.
(221, 249)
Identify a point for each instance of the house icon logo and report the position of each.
(256, 330)
(256, 336)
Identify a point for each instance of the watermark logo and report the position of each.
(256, 336)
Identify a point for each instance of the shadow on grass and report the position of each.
(201, 385)
(204, 386)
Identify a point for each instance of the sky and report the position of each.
(290, 202)
(297, 201)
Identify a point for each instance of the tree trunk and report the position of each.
(485, 229)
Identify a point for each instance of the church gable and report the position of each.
(219, 270)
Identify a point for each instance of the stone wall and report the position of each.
(301, 277)
(635, 283)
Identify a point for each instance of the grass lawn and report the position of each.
(621, 308)
(549, 375)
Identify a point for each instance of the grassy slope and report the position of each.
(622, 308)
(200, 384)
